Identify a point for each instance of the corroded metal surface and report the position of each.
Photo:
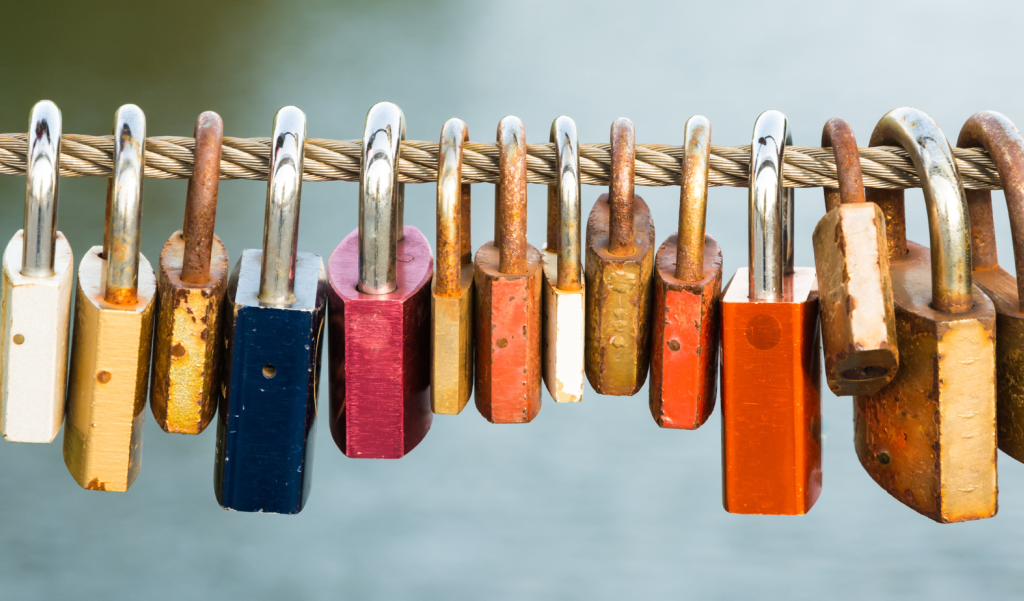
(201, 199)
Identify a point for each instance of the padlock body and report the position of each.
(508, 338)
(685, 323)
(929, 437)
(380, 353)
(564, 335)
(109, 377)
(858, 323)
(451, 343)
(34, 331)
(618, 303)
(187, 346)
(267, 421)
(771, 398)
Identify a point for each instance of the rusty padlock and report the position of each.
(620, 258)
(191, 283)
(563, 316)
(929, 437)
(508, 296)
(380, 310)
(771, 367)
(687, 299)
(113, 329)
(858, 323)
(451, 301)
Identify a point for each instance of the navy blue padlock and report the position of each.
(273, 331)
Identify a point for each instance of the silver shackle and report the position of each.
(567, 188)
(770, 212)
(284, 193)
(39, 238)
(123, 235)
(380, 199)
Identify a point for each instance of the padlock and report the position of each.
(113, 329)
(451, 300)
(273, 334)
(929, 437)
(687, 299)
(37, 279)
(563, 314)
(620, 259)
(858, 323)
(192, 279)
(380, 310)
(508, 295)
(771, 367)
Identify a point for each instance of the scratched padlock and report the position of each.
(380, 310)
(113, 330)
(37, 281)
(687, 300)
(858, 323)
(273, 333)
(563, 315)
(192, 280)
(771, 370)
(929, 437)
(508, 296)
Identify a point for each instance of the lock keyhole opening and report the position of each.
(269, 371)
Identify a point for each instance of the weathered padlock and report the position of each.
(508, 296)
(771, 367)
(37, 279)
(1005, 145)
(929, 437)
(380, 310)
(687, 300)
(563, 314)
(620, 258)
(113, 330)
(192, 279)
(451, 301)
(273, 333)
(858, 323)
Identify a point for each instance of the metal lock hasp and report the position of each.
(929, 437)
(113, 330)
(273, 334)
(771, 370)
(685, 318)
(380, 310)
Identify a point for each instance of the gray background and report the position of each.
(591, 500)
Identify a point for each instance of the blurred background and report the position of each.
(590, 501)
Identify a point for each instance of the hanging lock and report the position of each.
(113, 329)
(620, 258)
(687, 295)
(272, 336)
(563, 315)
(771, 371)
(508, 295)
(858, 324)
(451, 301)
(380, 310)
(190, 291)
(929, 437)
(37, 278)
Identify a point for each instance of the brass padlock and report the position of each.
(620, 258)
(929, 436)
(113, 329)
(858, 323)
(190, 292)
(564, 323)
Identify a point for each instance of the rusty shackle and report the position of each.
(510, 197)
(201, 199)
(564, 204)
(621, 187)
(693, 199)
(454, 248)
(838, 135)
(122, 237)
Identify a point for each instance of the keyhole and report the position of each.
(269, 371)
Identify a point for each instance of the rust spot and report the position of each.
(674, 345)
(103, 377)
(178, 350)
(95, 484)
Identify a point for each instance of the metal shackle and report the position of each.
(948, 225)
(564, 204)
(39, 238)
(621, 189)
(693, 199)
(201, 199)
(838, 135)
(510, 197)
(123, 233)
(454, 248)
(284, 194)
(380, 199)
(770, 226)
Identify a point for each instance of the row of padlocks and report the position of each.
(904, 329)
